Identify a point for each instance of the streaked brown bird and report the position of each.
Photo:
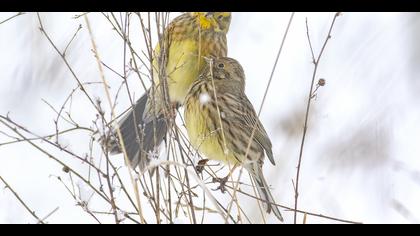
(188, 39)
(220, 121)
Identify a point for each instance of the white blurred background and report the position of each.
(361, 160)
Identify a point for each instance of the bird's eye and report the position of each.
(220, 17)
(221, 65)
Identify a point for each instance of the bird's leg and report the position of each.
(224, 180)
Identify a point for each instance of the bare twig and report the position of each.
(6, 120)
(21, 201)
(300, 211)
(139, 207)
(18, 14)
(51, 213)
(46, 137)
(71, 40)
(308, 105)
(269, 83)
(42, 29)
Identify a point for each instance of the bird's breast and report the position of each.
(186, 59)
(203, 126)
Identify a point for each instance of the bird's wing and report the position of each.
(251, 119)
(244, 114)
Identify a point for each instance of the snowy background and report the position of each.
(361, 160)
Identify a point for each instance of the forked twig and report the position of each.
(308, 105)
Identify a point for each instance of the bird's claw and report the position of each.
(222, 181)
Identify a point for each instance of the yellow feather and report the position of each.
(183, 70)
(201, 137)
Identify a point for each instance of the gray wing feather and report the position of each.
(138, 135)
(247, 116)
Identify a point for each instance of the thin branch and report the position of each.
(8, 120)
(21, 201)
(49, 155)
(111, 191)
(18, 14)
(41, 28)
(308, 105)
(269, 83)
(309, 41)
(50, 214)
(18, 140)
(139, 207)
(71, 40)
(300, 211)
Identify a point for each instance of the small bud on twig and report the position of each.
(66, 169)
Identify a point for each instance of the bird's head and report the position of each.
(217, 21)
(224, 68)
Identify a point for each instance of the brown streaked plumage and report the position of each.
(225, 136)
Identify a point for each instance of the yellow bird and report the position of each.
(222, 124)
(187, 40)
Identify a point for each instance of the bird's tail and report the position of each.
(264, 190)
(140, 138)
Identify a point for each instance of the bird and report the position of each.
(222, 124)
(177, 61)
